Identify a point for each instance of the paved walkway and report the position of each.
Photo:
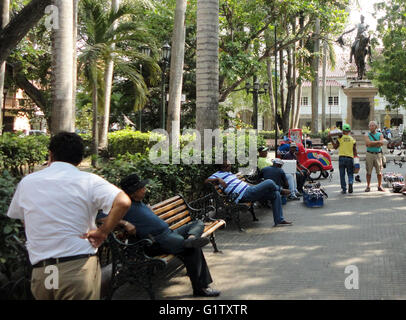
(308, 259)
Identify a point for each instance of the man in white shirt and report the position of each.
(58, 206)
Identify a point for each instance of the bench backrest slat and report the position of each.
(180, 223)
(165, 202)
(179, 216)
(168, 207)
(172, 212)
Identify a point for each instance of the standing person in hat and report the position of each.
(277, 175)
(373, 159)
(58, 205)
(262, 158)
(184, 241)
(347, 150)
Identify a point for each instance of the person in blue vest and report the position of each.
(374, 141)
(264, 191)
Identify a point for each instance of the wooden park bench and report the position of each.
(225, 204)
(137, 262)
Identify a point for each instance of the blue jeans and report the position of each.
(346, 164)
(173, 241)
(266, 190)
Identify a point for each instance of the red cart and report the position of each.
(318, 162)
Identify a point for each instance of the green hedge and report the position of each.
(18, 154)
(133, 142)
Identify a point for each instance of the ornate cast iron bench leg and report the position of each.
(251, 209)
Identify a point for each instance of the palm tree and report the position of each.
(207, 65)
(176, 75)
(62, 69)
(102, 37)
(108, 84)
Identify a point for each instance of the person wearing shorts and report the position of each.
(374, 142)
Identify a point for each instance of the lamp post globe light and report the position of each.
(146, 51)
(166, 53)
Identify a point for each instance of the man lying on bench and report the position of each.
(264, 191)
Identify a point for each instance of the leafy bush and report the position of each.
(123, 141)
(166, 180)
(22, 153)
(13, 262)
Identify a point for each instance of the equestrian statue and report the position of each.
(360, 47)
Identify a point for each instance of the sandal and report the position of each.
(381, 189)
(367, 189)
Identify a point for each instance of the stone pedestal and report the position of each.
(360, 103)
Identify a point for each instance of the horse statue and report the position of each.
(360, 50)
(360, 47)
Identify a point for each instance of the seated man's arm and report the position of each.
(128, 226)
(120, 206)
(216, 181)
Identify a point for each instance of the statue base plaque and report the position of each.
(360, 103)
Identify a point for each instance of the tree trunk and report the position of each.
(281, 87)
(315, 83)
(176, 73)
(292, 118)
(18, 27)
(62, 69)
(4, 19)
(269, 73)
(75, 58)
(95, 124)
(323, 99)
(297, 115)
(207, 65)
(299, 90)
(108, 85)
(270, 87)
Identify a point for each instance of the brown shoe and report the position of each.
(283, 224)
(285, 192)
(381, 189)
(367, 189)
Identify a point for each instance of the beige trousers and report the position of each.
(72, 280)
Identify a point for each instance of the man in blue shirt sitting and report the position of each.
(277, 175)
(265, 191)
(184, 241)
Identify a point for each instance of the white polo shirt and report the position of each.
(58, 205)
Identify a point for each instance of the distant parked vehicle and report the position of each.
(36, 133)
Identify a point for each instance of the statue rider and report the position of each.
(361, 33)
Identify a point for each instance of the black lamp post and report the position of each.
(256, 90)
(145, 50)
(166, 53)
(5, 90)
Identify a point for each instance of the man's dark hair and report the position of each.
(67, 147)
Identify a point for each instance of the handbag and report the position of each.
(383, 156)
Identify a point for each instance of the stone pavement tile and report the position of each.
(308, 260)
